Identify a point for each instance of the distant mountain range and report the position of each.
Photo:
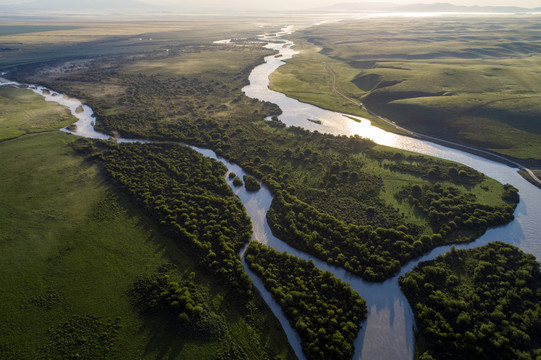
(94, 7)
(137, 7)
(80, 6)
(436, 7)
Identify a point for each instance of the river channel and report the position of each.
(388, 331)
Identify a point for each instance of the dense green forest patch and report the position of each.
(324, 311)
(188, 194)
(449, 210)
(480, 303)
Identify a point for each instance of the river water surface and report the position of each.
(388, 331)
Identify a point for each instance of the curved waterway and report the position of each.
(388, 331)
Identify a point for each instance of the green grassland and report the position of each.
(23, 112)
(470, 80)
(225, 59)
(71, 247)
(26, 29)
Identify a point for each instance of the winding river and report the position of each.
(388, 331)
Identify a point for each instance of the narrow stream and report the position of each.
(388, 331)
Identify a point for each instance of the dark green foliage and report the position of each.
(107, 209)
(187, 193)
(510, 194)
(483, 303)
(46, 301)
(237, 181)
(185, 303)
(251, 183)
(372, 253)
(449, 210)
(324, 311)
(435, 170)
(85, 338)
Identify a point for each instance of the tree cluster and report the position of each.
(188, 194)
(324, 311)
(449, 210)
(375, 254)
(483, 303)
(435, 170)
(184, 302)
(251, 183)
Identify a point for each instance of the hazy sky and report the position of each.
(299, 4)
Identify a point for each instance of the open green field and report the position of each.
(470, 80)
(26, 29)
(226, 59)
(23, 112)
(71, 246)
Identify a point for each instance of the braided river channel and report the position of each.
(388, 332)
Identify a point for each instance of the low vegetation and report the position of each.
(480, 303)
(324, 311)
(186, 303)
(23, 112)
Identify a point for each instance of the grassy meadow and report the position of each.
(23, 112)
(467, 79)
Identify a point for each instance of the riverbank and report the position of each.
(530, 176)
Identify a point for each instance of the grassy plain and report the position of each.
(23, 112)
(471, 80)
(98, 38)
